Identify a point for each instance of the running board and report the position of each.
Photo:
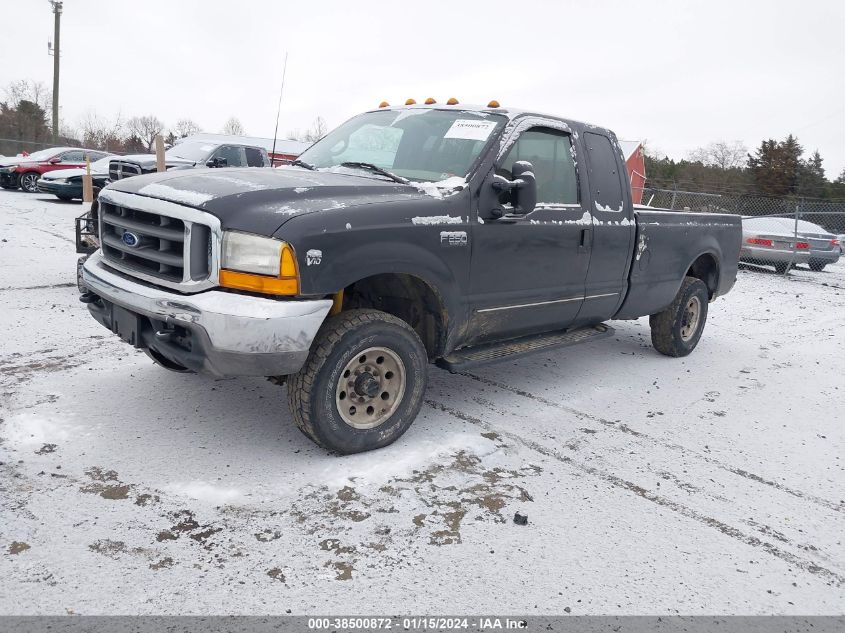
(471, 356)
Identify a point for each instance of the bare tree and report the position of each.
(234, 127)
(314, 133)
(145, 128)
(101, 133)
(722, 154)
(186, 127)
(317, 130)
(29, 90)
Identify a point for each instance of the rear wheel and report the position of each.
(817, 265)
(781, 268)
(363, 383)
(676, 330)
(28, 182)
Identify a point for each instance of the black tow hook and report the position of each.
(89, 297)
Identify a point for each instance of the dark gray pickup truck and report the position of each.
(191, 153)
(448, 234)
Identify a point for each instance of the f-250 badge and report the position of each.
(453, 238)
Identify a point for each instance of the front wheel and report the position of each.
(676, 330)
(28, 182)
(817, 266)
(363, 383)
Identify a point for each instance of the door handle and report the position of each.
(584, 242)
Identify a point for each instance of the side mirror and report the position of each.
(523, 187)
(55, 161)
(217, 161)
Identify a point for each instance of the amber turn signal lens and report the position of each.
(430, 101)
(410, 102)
(383, 104)
(258, 283)
(452, 101)
(493, 104)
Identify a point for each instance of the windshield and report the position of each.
(191, 150)
(417, 144)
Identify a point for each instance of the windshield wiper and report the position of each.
(302, 163)
(376, 170)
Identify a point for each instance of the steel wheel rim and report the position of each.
(370, 388)
(692, 315)
(28, 182)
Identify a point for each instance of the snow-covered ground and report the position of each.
(711, 484)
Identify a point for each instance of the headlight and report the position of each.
(256, 263)
(62, 180)
(6, 170)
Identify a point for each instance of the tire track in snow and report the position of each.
(624, 428)
(618, 482)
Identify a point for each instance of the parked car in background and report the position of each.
(24, 171)
(190, 154)
(780, 242)
(66, 184)
(769, 241)
(841, 239)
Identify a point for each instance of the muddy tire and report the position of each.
(28, 182)
(676, 330)
(363, 383)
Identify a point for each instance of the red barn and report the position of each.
(635, 161)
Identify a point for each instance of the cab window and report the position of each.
(234, 155)
(254, 157)
(551, 154)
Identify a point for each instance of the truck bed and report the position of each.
(667, 245)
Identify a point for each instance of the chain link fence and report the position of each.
(790, 233)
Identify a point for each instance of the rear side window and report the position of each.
(550, 152)
(254, 157)
(605, 179)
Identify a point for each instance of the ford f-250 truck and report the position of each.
(441, 233)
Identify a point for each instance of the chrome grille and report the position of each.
(120, 169)
(159, 241)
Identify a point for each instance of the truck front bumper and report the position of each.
(213, 332)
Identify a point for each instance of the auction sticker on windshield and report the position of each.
(470, 130)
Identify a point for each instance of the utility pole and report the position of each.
(57, 26)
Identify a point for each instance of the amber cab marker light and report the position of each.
(452, 101)
(384, 104)
(430, 101)
(410, 102)
(493, 104)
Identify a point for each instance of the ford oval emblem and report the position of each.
(130, 239)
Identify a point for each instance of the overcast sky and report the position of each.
(677, 73)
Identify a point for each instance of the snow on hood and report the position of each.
(266, 198)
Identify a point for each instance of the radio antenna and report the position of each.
(279, 109)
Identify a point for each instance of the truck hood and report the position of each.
(148, 161)
(261, 200)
